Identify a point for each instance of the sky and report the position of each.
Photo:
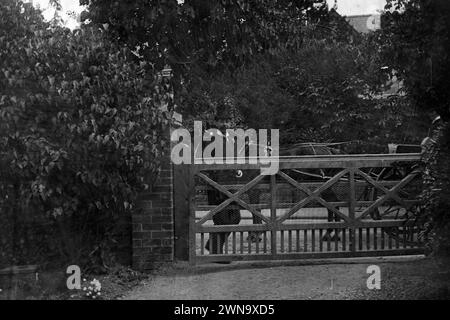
(67, 5)
(345, 7)
(357, 7)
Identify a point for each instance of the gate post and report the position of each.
(152, 221)
(181, 194)
(191, 226)
(153, 232)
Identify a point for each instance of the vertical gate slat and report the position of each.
(375, 244)
(305, 240)
(389, 241)
(360, 238)
(336, 244)
(218, 237)
(313, 240)
(202, 243)
(397, 242)
(210, 243)
(344, 247)
(265, 241)
(290, 241)
(320, 240)
(411, 229)
(329, 242)
(367, 238)
(226, 245)
(405, 240)
(257, 242)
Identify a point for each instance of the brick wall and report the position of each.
(153, 223)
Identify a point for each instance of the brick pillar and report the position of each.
(152, 221)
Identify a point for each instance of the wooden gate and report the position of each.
(314, 207)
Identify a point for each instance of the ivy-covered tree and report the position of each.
(80, 127)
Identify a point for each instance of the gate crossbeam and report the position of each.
(231, 197)
(313, 195)
(389, 193)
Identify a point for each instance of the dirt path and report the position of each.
(402, 278)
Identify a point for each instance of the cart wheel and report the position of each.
(403, 234)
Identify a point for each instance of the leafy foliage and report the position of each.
(204, 34)
(415, 42)
(80, 125)
(325, 91)
(273, 64)
(201, 39)
(435, 205)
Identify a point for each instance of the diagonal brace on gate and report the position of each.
(232, 197)
(389, 193)
(313, 195)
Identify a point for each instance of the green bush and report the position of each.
(435, 208)
(81, 121)
(415, 41)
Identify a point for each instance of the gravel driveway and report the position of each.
(401, 278)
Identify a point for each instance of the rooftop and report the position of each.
(364, 23)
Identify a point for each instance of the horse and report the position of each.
(227, 216)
